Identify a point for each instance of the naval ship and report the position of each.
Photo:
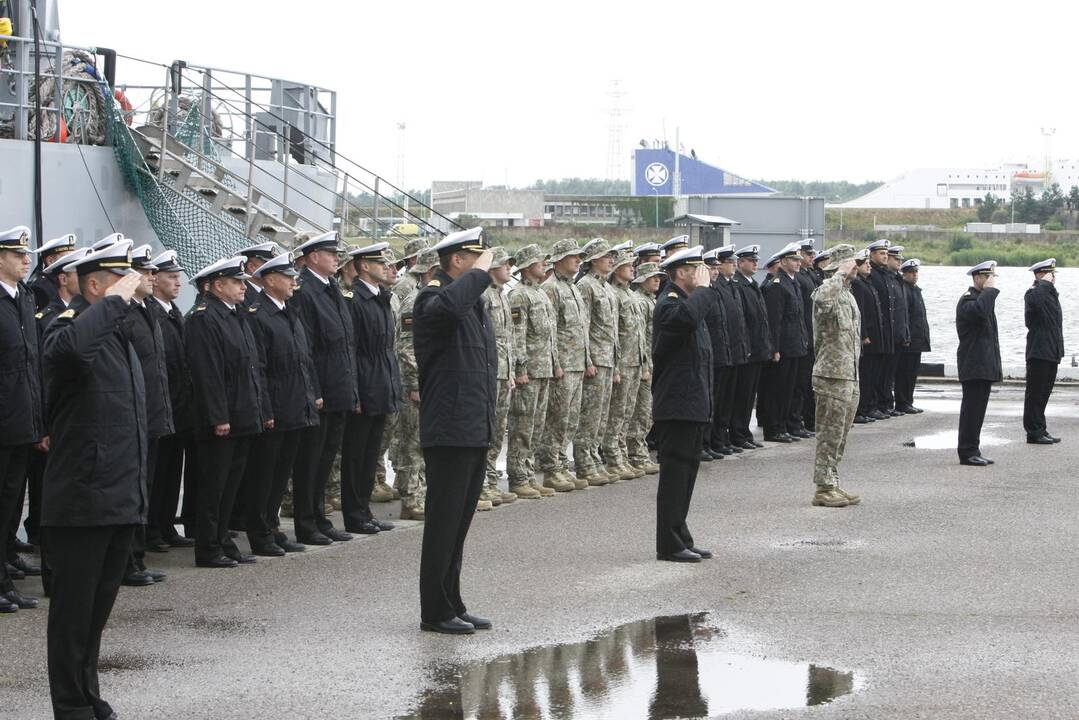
(198, 159)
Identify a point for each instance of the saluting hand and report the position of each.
(701, 276)
(125, 287)
(483, 262)
(991, 281)
(318, 404)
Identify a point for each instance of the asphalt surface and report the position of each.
(949, 592)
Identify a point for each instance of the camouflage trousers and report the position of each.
(623, 398)
(389, 445)
(502, 411)
(528, 411)
(407, 457)
(837, 404)
(560, 425)
(595, 404)
(638, 425)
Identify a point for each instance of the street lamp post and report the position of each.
(656, 191)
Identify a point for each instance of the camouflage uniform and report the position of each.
(838, 339)
(630, 356)
(571, 354)
(534, 354)
(601, 309)
(498, 308)
(640, 421)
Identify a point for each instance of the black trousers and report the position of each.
(906, 377)
(222, 460)
(723, 385)
(779, 394)
(13, 462)
(454, 480)
(886, 381)
(803, 406)
(1041, 377)
(971, 417)
(311, 471)
(35, 473)
(290, 445)
(165, 491)
(258, 484)
(679, 458)
(746, 380)
(87, 564)
(190, 510)
(136, 561)
(359, 460)
(868, 369)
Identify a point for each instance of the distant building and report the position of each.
(660, 171)
(499, 207)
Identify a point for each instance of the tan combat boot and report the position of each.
(851, 499)
(828, 497)
(410, 512)
(649, 467)
(578, 483)
(598, 479)
(383, 493)
(617, 472)
(553, 481)
(507, 497)
(633, 470)
(525, 491)
(538, 487)
(484, 505)
(492, 496)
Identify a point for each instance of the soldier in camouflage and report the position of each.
(632, 352)
(406, 281)
(410, 479)
(601, 322)
(646, 284)
(498, 308)
(571, 352)
(837, 334)
(535, 368)
(382, 491)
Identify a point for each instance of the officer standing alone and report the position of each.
(979, 358)
(1045, 349)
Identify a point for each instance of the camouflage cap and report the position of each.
(645, 271)
(624, 258)
(528, 255)
(595, 249)
(500, 256)
(842, 253)
(425, 261)
(414, 247)
(390, 255)
(564, 248)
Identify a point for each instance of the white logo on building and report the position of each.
(656, 174)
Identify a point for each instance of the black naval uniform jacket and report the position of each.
(716, 320)
(457, 361)
(287, 368)
(756, 314)
(22, 417)
(377, 372)
(96, 474)
(919, 323)
(889, 297)
(682, 356)
(1045, 322)
(979, 345)
(324, 312)
(224, 362)
(145, 335)
(181, 392)
(737, 335)
(807, 283)
(45, 291)
(872, 323)
(786, 316)
(252, 294)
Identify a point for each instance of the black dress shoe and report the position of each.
(180, 542)
(6, 606)
(368, 527)
(155, 575)
(24, 602)
(480, 623)
(26, 568)
(384, 525)
(756, 444)
(1043, 440)
(291, 547)
(685, 556)
(271, 550)
(804, 434)
(243, 559)
(747, 445)
(794, 438)
(1054, 439)
(13, 572)
(337, 535)
(453, 626)
(706, 456)
(705, 554)
(218, 562)
(975, 460)
(730, 450)
(779, 438)
(137, 579)
(895, 413)
(878, 415)
(861, 420)
(24, 547)
(157, 546)
(314, 539)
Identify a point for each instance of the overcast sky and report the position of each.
(516, 91)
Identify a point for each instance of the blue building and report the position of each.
(654, 168)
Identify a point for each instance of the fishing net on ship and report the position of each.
(83, 96)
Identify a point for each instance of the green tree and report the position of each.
(988, 206)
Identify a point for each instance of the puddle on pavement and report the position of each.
(667, 667)
(123, 662)
(949, 439)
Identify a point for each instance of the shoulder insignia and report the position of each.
(253, 308)
(776, 280)
(672, 294)
(435, 283)
(347, 294)
(966, 294)
(515, 313)
(39, 315)
(200, 308)
(406, 319)
(66, 314)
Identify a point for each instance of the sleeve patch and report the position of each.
(66, 314)
(515, 313)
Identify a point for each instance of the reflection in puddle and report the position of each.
(949, 439)
(669, 667)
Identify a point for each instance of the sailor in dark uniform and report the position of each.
(747, 379)
(910, 355)
(786, 322)
(292, 386)
(44, 285)
(803, 406)
(324, 312)
(726, 380)
(379, 382)
(1045, 349)
(457, 362)
(722, 364)
(979, 358)
(889, 296)
(254, 256)
(681, 397)
(230, 406)
(900, 328)
(175, 453)
(22, 419)
(872, 332)
(820, 261)
(94, 493)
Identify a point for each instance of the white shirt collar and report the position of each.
(280, 305)
(254, 287)
(167, 306)
(12, 290)
(325, 281)
(374, 289)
